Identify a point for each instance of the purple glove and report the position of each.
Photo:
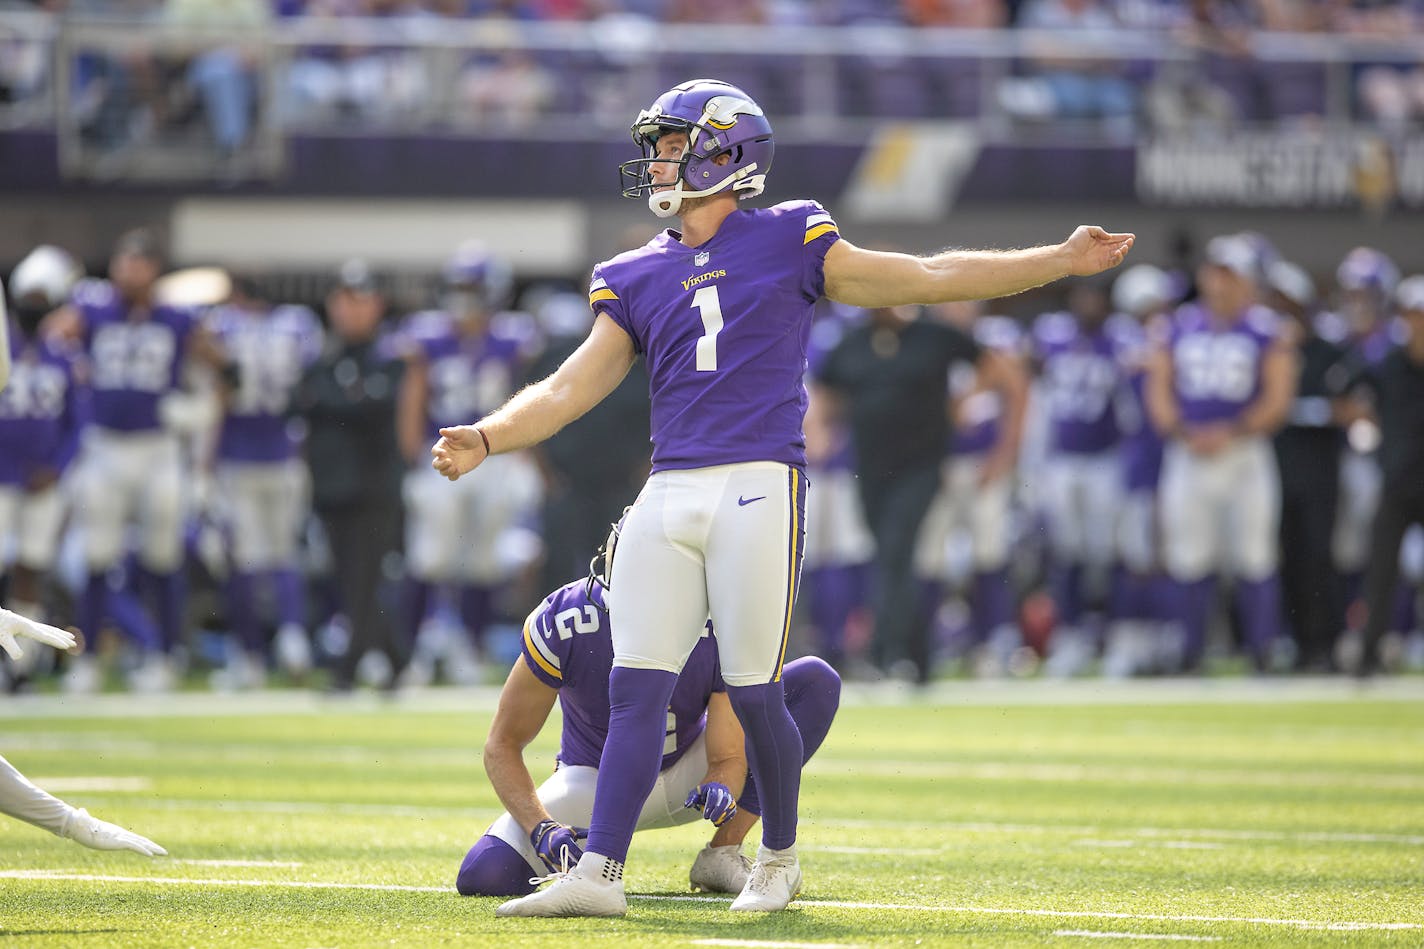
(557, 845)
(714, 800)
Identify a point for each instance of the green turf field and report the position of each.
(1036, 814)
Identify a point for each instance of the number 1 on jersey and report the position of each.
(709, 307)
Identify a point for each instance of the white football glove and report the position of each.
(98, 834)
(13, 626)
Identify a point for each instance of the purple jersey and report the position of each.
(977, 411)
(42, 409)
(1216, 364)
(134, 361)
(1081, 379)
(724, 328)
(469, 375)
(271, 349)
(568, 646)
(1141, 442)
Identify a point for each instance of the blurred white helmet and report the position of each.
(1292, 282)
(1410, 293)
(48, 272)
(1141, 288)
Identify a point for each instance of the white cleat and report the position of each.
(774, 881)
(720, 869)
(293, 650)
(592, 888)
(84, 676)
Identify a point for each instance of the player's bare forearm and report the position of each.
(1162, 408)
(726, 745)
(866, 278)
(512, 783)
(1278, 384)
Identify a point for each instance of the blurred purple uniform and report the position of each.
(270, 349)
(1221, 512)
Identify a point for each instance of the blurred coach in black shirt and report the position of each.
(348, 399)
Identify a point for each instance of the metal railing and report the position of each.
(583, 81)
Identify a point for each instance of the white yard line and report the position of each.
(94, 783)
(809, 904)
(768, 944)
(1097, 934)
(240, 863)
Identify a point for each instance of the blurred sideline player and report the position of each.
(262, 483)
(1079, 352)
(42, 411)
(1366, 279)
(975, 494)
(1219, 385)
(1138, 640)
(18, 796)
(567, 653)
(839, 547)
(464, 362)
(131, 465)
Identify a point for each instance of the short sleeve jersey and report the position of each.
(724, 328)
(1082, 374)
(568, 645)
(271, 349)
(134, 361)
(1216, 364)
(41, 410)
(469, 375)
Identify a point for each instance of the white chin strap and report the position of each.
(668, 203)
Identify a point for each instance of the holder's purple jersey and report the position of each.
(271, 349)
(1216, 364)
(1081, 378)
(724, 328)
(42, 409)
(1142, 445)
(976, 424)
(568, 646)
(134, 362)
(469, 376)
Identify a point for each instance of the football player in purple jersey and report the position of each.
(1137, 639)
(976, 481)
(464, 362)
(262, 483)
(1219, 385)
(42, 411)
(720, 309)
(130, 464)
(567, 655)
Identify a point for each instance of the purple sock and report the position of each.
(241, 611)
(1404, 614)
(128, 613)
(993, 604)
(1067, 587)
(416, 605)
(832, 593)
(476, 605)
(93, 606)
(633, 753)
(494, 868)
(1191, 602)
(774, 751)
(291, 603)
(813, 693)
(1260, 604)
(168, 594)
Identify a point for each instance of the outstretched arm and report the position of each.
(537, 411)
(870, 278)
(524, 706)
(20, 798)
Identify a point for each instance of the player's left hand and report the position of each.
(714, 800)
(14, 626)
(459, 451)
(557, 844)
(1092, 250)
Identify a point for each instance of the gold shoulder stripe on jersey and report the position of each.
(815, 232)
(602, 293)
(533, 650)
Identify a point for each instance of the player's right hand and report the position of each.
(459, 451)
(102, 835)
(14, 626)
(714, 800)
(557, 844)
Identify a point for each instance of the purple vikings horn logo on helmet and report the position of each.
(719, 119)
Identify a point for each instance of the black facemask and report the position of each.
(29, 315)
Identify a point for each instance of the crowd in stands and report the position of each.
(239, 488)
